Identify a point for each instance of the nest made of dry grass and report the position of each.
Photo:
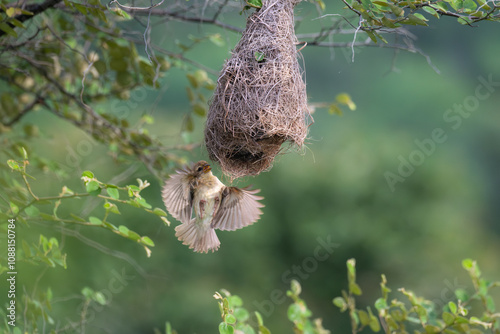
(259, 104)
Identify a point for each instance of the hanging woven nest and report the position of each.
(260, 101)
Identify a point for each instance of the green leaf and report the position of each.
(344, 98)
(340, 303)
(431, 11)
(364, 317)
(396, 10)
(7, 29)
(121, 13)
(462, 295)
(380, 304)
(259, 56)
(113, 193)
(490, 304)
(351, 267)
(147, 241)
(295, 287)
(230, 319)
(467, 264)
(188, 124)
(389, 23)
(440, 6)
(23, 152)
(483, 5)
(110, 226)
(448, 318)
(159, 212)
(134, 236)
(263, 330)
(95, 221)
(334, 109)
(254, 3)
(32, 211)
(234, 301)
(241, 314)
(355, 289)
(81, 8)
(92, 186)
(77, 218)
(372, 36)
(225, 328)
(14, 208)
(464, 20)
(99, 297)
(453, 307)
(13, 165)
(88, 293)
(111, 208)
(414, 20)
(12, 11)
(294, 312)
(374, 323)
(123, 230)
(142, 202)
(88, 174)
(259, 318)
(420, 16)
(199, 109)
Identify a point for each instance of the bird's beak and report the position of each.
(206, 168)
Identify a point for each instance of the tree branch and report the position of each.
(33, 8)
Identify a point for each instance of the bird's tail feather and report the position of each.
(199, 239)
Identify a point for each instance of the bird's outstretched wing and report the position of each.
(177, 195)
(238, 208)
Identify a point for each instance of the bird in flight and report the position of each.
(215, 206)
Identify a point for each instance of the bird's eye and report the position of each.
(200, 169)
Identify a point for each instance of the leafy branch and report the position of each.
(28, 208)
(421, 315)
(412, 314)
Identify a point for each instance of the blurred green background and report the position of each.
(334, 189)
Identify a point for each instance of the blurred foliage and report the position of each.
(419, 315)
(67, 65)
(414, 313)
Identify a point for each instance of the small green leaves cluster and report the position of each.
(25, 205)
(299, 314)
(27, 208)
(417, 314)
(341, 101)
(93, 296)
(383, 14)
(235, 318)
(96, 188)
(9, 20)
(46, 251)
(359, 318)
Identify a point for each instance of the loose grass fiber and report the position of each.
(260, 101)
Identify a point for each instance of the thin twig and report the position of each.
(135, 8)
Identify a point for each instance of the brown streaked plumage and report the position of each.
(215, 206)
